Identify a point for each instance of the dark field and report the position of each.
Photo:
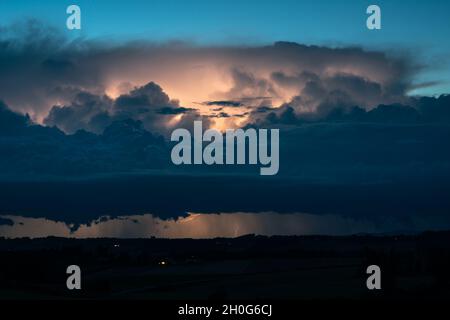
(250, 267)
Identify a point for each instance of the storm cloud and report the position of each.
(40, 69)
(352, 142)
(148, 104)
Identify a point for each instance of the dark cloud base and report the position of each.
(169, 196)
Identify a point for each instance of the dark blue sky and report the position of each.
(419, 26)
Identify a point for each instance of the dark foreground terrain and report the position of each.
(311, 267)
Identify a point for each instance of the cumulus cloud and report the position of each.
(87, 111)
(424, 110)
(38, 65)
(11, 122)
(148, 104)
(28, 149)
(40, 68)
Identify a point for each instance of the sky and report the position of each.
(421, 27)
(364, 130)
